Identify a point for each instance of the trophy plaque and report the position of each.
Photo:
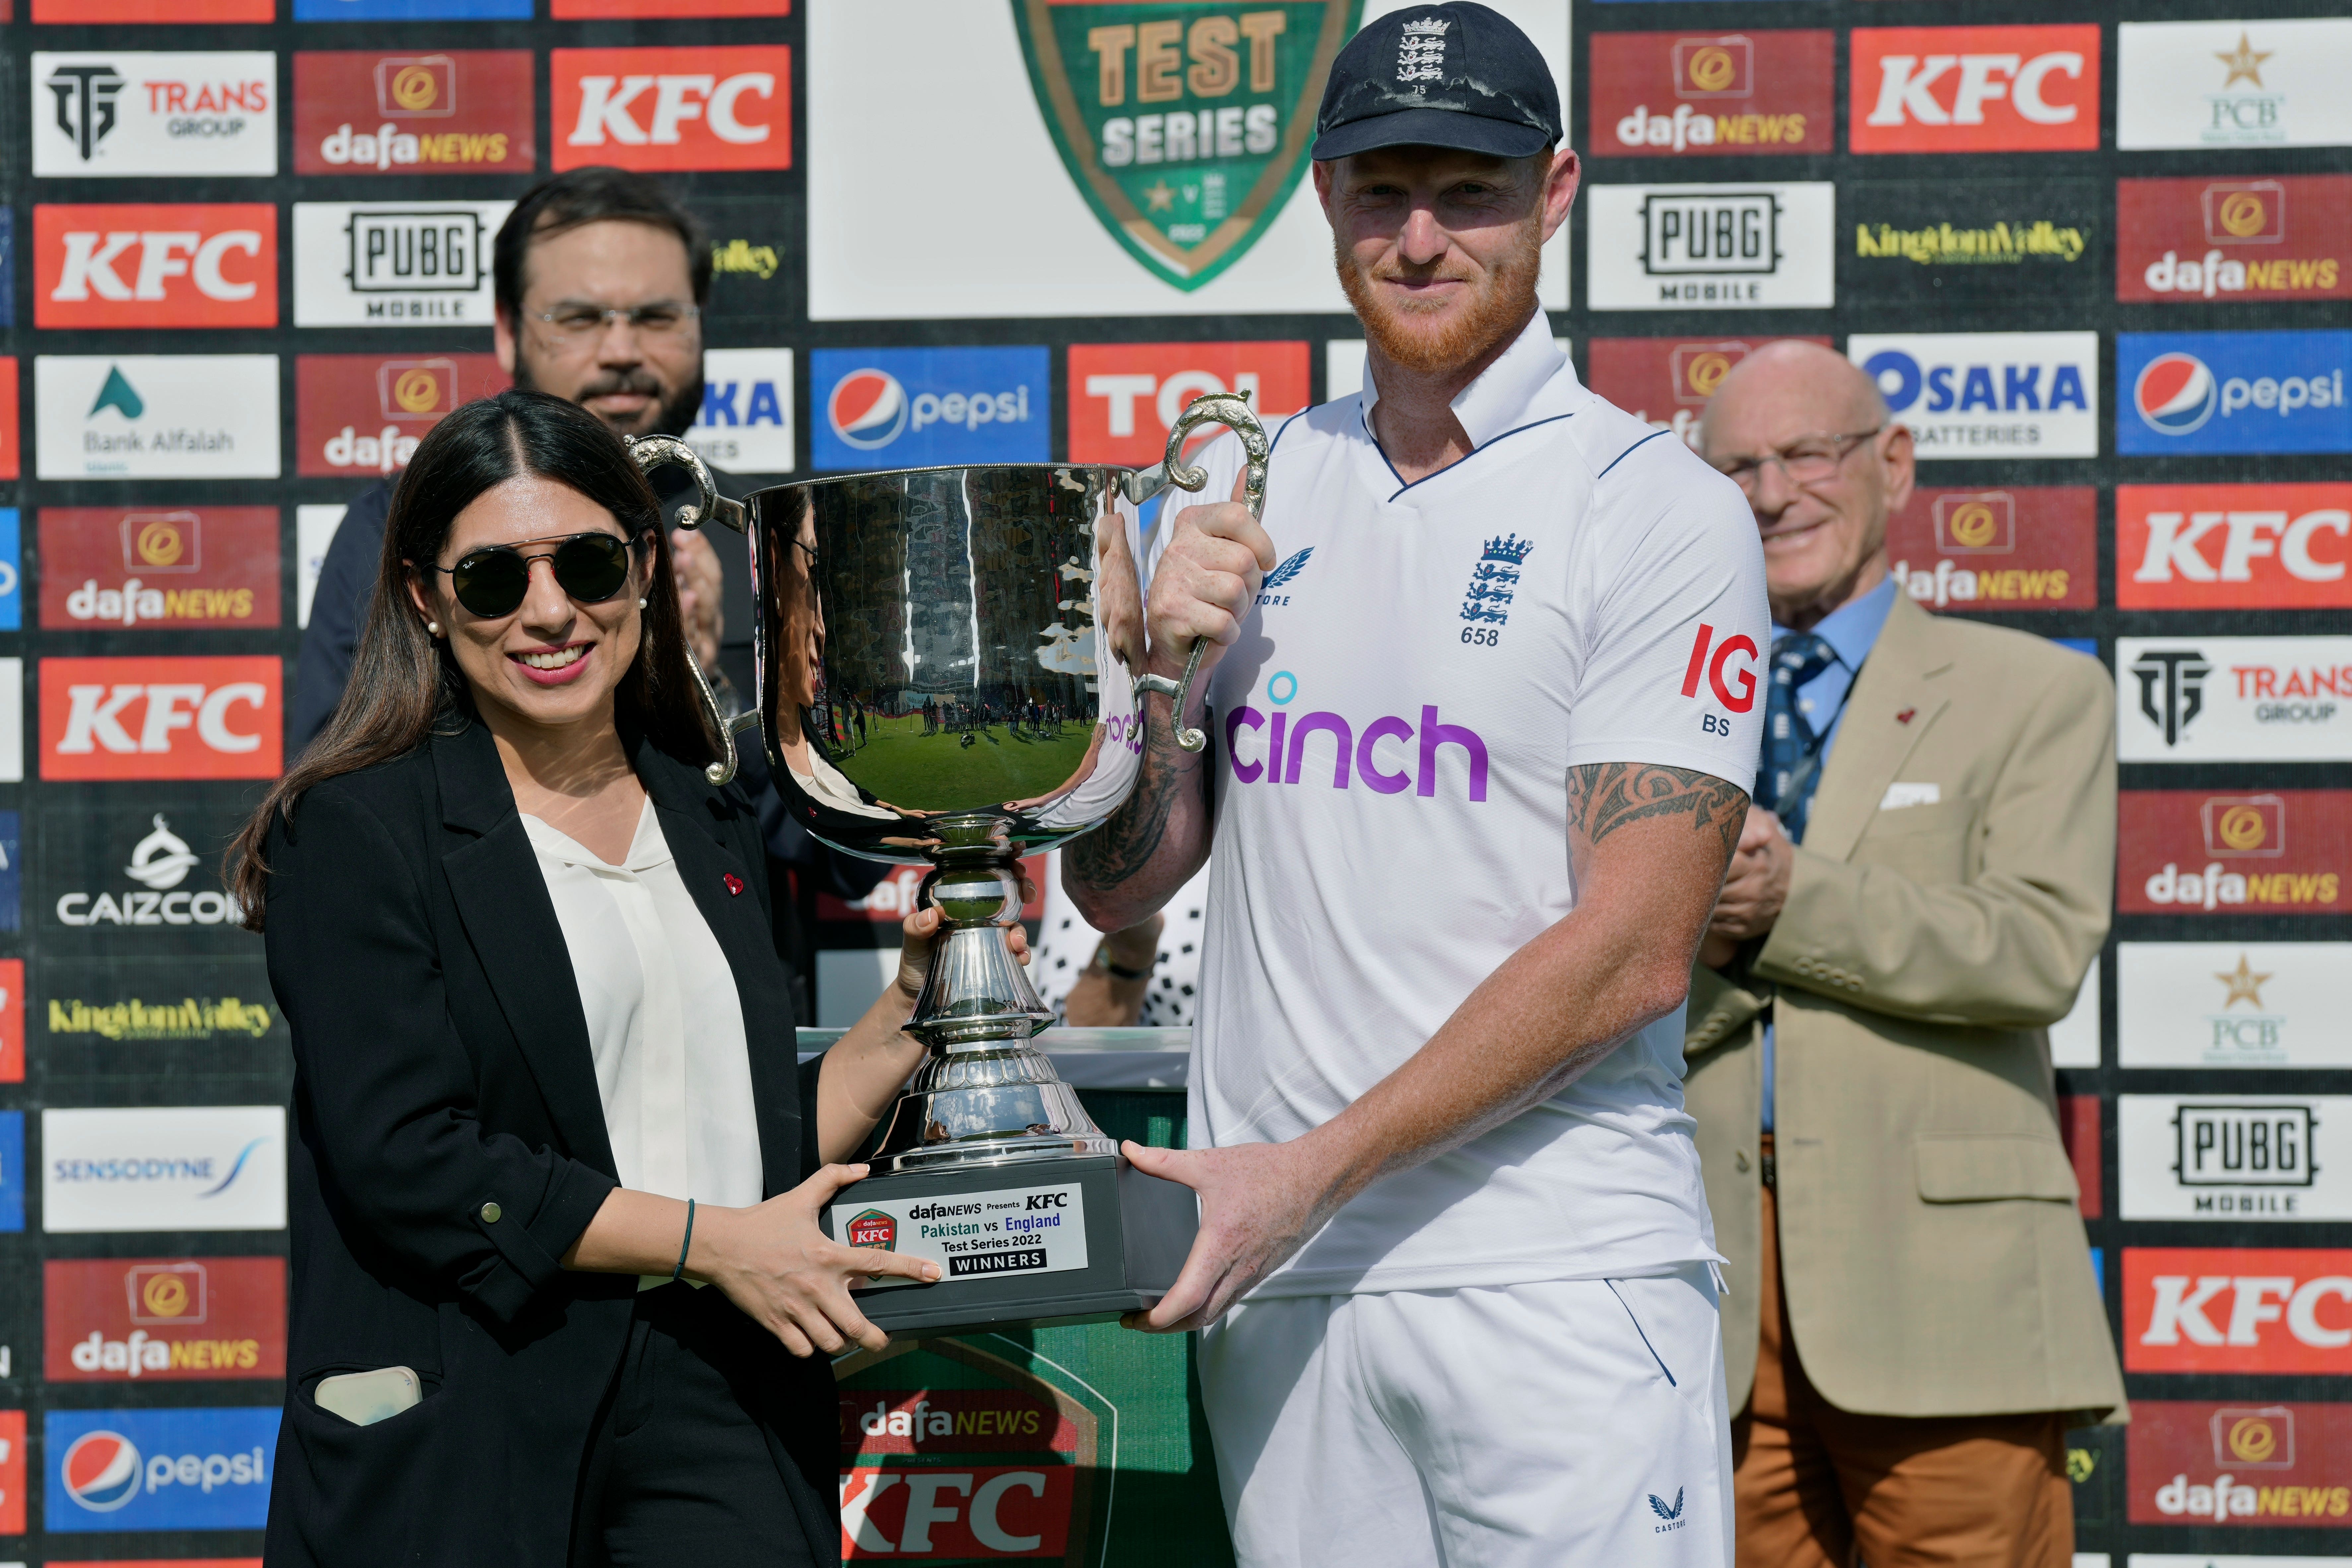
(946, 663)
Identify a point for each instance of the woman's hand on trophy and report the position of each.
(919, 935)
(776, 1264)
(1206, 579)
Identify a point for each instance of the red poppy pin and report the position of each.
(734, 883)
(1902, 718)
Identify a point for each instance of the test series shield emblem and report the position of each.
(1184, 125)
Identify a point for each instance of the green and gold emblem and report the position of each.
(1184, 122)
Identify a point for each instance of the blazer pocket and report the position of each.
(1928, 844)
(1986, 1167)
(368, 1488)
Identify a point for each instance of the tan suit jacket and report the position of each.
(1935, 1261)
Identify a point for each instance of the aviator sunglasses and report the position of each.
(590, 567)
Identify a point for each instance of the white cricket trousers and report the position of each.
(1566, 1422)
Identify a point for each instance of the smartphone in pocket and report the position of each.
(365, 1398)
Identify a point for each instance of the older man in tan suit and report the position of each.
(1913, 1321)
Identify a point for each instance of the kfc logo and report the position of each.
(363, 414)
(2253, 547)
(466, 111)
(1975, 89)
(161, 718)
(674, 109)
(1125, 397)
(155, 266)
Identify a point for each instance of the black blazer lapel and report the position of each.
(495, 880)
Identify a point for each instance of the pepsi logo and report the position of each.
(867, 408)
(101, 1471)
(2175, 394)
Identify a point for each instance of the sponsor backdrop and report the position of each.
(2095, 255)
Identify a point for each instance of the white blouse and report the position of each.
(665, 1021)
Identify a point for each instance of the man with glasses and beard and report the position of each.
(1474, 772)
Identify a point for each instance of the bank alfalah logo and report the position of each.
(86, 95)
(1281, 576)
(2171, 689)
(1489, 597)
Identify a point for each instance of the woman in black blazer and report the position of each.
(457, 1201)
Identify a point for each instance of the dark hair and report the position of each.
(405, 684)
(578, 197)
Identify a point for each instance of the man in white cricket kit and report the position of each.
(1483, 703)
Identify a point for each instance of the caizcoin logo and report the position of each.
(1185, 128)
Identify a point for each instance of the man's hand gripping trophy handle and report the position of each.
(1232, 410)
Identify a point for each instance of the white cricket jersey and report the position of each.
(1393, 732)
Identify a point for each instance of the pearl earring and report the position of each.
(641, 603)
(433, 628)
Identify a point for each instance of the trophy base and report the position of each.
(1034, 1242)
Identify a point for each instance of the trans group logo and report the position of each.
(910, 408)
(125, 114)
(2216, 392)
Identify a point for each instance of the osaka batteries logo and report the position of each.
(2176, 393)
(867, 408)
(101, 1471)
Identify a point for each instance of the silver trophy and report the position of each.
(945, 666)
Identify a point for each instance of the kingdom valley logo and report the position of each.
(2021, 549)
(161, 718)
(1672, 93)
(389, 264)
(2254, 547)
(2237, 1310)
(2232, 84)
(673, 109)
(2280, 1466)
(2279, 852)
(168, 1320)
(363, 414)
(1975, 89)
(126, 114)
(2287, 237)
(1125, 397)
(460, 112)
(1185, 128)
(1651, 248)
(1668, 381)
(155, 266)
(105, 569)
(2233, 1005)
(2236, 699)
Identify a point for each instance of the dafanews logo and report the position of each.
(164, 1320)
(106, 569)
(2017, 549)
(159, 1470)
(467, 111)
(2209, 393)
(1975, 89)
(2255, 700)
(2278, 852)
(1668, 94)
(1989, 394)
(155, 266)
(1665, 382)
(117, 113)
(908, 408)
(393, 264)
(161, 718)
(2233, 84)
(2272, 1465)
(673, 109)
(2252, 1156)
(2182, 241)
(2252, 547)
(745, 424)
(1125, 397)
(219, 1167)
(156, 416)
(2232, 1004)
(1654, 247)
(356, 415)
(2239, 1309)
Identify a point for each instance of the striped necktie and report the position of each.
(1793, 752)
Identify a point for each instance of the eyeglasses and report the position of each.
(493, 581)
(1807, 460)
(577, 323)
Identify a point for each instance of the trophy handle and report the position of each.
(1232, 410)
(652, 452)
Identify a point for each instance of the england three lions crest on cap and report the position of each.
(1420, 51)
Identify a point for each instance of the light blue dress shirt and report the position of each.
(1852, 630)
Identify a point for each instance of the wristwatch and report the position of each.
(1104, 962)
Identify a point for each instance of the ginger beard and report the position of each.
(1437, 337)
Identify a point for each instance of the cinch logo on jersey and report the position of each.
(1983, 395)
(2279, 1466)
(2232, 1004)
(160, 1469)
(1423, 757)
(2280, 852)
(157, 417)
(2195, 547)
(219, 1167)
(674, 109)
(2233, 84)
(1673, 376)
(2252, 1309)
(2288, 238)
(466, 111)
(1651, 248)
(2025, 548)
(105, 569)
(161, 718)
(2235, 699)
(745, 422)
(1125, 397)
(1975, 89)
(388, 264)
(2207, 1157)
(117, 113)
(1666, 93)
(2234, 392)
(921, 407)
(172, 1319)
(363, 414)
(155, 266)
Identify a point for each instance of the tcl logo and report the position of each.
(674, 109)
(1975, 89)
(161, 718)
(2252, 1310)
(1734, 684)
(1125, 397)
(155, 266)
(2195, 547)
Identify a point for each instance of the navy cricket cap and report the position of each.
(1452, 75)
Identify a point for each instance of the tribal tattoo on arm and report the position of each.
(1605, 796)
(1125, 845)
